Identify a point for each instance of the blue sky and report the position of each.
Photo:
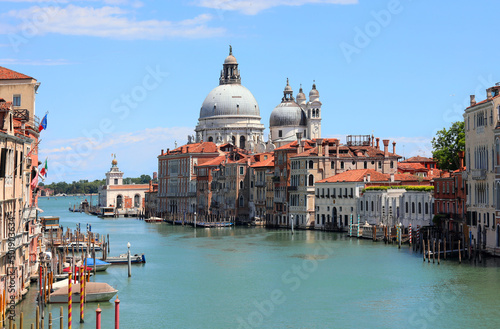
(129, 77)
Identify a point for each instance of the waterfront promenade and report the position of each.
(258, 278)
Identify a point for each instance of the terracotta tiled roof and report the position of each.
(129, 187)
(264, 163)
(409, 178)
(213, 162)
(484, 101)
(418, 159)
(6, 74)
(203, 147)
(412, 166)
(356, 176)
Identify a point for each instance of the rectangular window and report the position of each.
(241, 170)
(16, 100)
(3, 163)
(280, 133)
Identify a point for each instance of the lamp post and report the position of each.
(128, 258)
(291, 222)
(195, 219)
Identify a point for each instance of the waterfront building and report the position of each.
(177, 176)
(295, 116)
(230, 113)
(204, 185)
(395, 199)
(20, 230)
(151, 200)
(263, 166)
(483, 209)
(450, 200)
(125, 199)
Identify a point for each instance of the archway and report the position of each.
(137, 201)
(119, 201)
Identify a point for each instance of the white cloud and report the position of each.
(81, 158)
(253, 7)
(49, 62)
(106, 22)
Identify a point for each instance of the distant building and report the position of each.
(126, 199)
(151, 200)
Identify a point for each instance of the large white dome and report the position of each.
(288, 114)
(230, 100)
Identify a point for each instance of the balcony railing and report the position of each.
(292, 188)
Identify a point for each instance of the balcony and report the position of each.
(478, 174)
(292, 188)
(260, 184)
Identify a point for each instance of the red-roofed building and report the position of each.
(18, 186)
(260, 183)
(177, 176)
(204, 185)
(427, 163)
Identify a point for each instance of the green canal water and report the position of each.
(258, 278)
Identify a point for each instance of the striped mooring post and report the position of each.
(409, 232)
(418, 233)
(70, 299)
(358, 226)
(350, 228)
(81, 294)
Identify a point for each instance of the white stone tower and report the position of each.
(313, 109)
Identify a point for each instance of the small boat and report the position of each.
(122, 259)
(100, 265)
(79, 246)
(154, 220)
(94, 292)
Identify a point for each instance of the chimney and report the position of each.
(472, 100)
(392, 177)
(368, 177)
(338, 148)
(373, 140)
(461, 157)
(394, 147)
(319, 143)
(364, 179)
(162, 151)
(327, 149)
(386, 147)
(488, 94)
(378, 144)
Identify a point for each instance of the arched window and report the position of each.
(242, 142)
(413, 207)
(311, 180)
(311, 164)
(366, 204)
(137, 201)
(242, 203)
(361, 205)
(119, 201)
(419, 207)
(210, 139)
(426, 208)
(233, 140)
(241, 184)
(406, 207)
(372, 205)
(365, 165)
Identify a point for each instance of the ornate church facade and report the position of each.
(230, 114)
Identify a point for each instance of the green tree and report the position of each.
(446, 145)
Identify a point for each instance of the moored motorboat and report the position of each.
(122, 259)
(79, 246)
(94, 292)
(154, 220)
(100, 265)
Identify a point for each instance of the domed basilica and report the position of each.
(230, 114)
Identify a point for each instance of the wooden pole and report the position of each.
(50, 320)
(439, 251)
(433, 250)
(423, 248)
(444, 245)
(61, 318)
(21, 321)
(428, 250)
(37, 317)
(459, 253)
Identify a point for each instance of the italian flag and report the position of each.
(44, 170)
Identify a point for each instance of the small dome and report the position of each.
(288, 114)
(230, 60)
(314, 92)
(301, 95)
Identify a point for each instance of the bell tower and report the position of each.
(314, 114)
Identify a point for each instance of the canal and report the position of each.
(258, 278)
